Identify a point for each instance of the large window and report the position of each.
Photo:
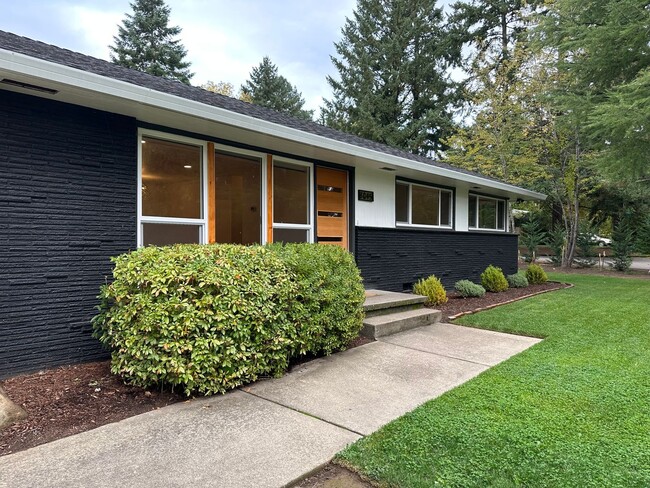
(292, 202)
(171, 191)
(420, 205)
(238, 187)
(487, 213)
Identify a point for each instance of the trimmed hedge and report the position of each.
(328, 308)
(209, 318)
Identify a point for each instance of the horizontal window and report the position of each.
(487, 213)
(168, 234)
(421, 205)
(171, 190)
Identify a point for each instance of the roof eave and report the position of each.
(106, 86)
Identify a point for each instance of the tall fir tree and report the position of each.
(267, 88)
(146, 42)
(393, 84)
(491, 28)
(603, 54)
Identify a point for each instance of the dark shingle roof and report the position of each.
(65, 57)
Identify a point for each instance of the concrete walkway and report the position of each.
(273, 432)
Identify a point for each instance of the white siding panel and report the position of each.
(381, 212)
(462, 210)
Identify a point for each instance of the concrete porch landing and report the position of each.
(273, 432)
(388, 313)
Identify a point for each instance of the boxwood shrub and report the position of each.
(492, 279)
(536, 274)
(208, 318)
(431, 288)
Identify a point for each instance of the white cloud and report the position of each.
(225, 39)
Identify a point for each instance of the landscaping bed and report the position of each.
(458, 305)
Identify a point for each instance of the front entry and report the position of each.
(332, 206)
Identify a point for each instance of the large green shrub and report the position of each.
(328, 309)
(431, 288)
(492, 279)
(209, 318)
(468, 289)
(536, 275)
(517, 280)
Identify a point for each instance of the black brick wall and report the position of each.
(67, 203)
(393, 259)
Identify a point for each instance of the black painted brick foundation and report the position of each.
(67, 204)
(393, 259)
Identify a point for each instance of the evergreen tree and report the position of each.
(145, 42)
(393, 81)
(491, 27)
(269, 89)
(603, 57)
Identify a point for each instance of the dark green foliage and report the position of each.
(492, 279)
(643, 236)
(393, 83)
(431, 288)
(490, 27)
(210, 318)
(145, 42)
(536, 275)
(623, 241)
(269, 89)
(585, 246)
(517, 280)
(557, 242)
(532, 235)
(469, 289)
(328, 308)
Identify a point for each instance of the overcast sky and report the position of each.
(224, 39)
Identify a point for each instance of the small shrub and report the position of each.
(467, 289)
(536, 275)
(517, 280)
(431, 288)
(492, 279)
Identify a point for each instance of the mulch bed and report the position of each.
(72, 399)
(458, 305)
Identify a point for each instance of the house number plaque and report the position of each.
(366, 196)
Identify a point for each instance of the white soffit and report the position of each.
(104, 93)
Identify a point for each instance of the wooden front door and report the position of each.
(332, 206)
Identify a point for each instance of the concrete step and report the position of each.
(379, 302)
(383, 325)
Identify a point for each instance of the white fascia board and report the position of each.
(47, 70)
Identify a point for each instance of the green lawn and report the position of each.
(573, 410)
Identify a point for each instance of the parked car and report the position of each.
(600, 241)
